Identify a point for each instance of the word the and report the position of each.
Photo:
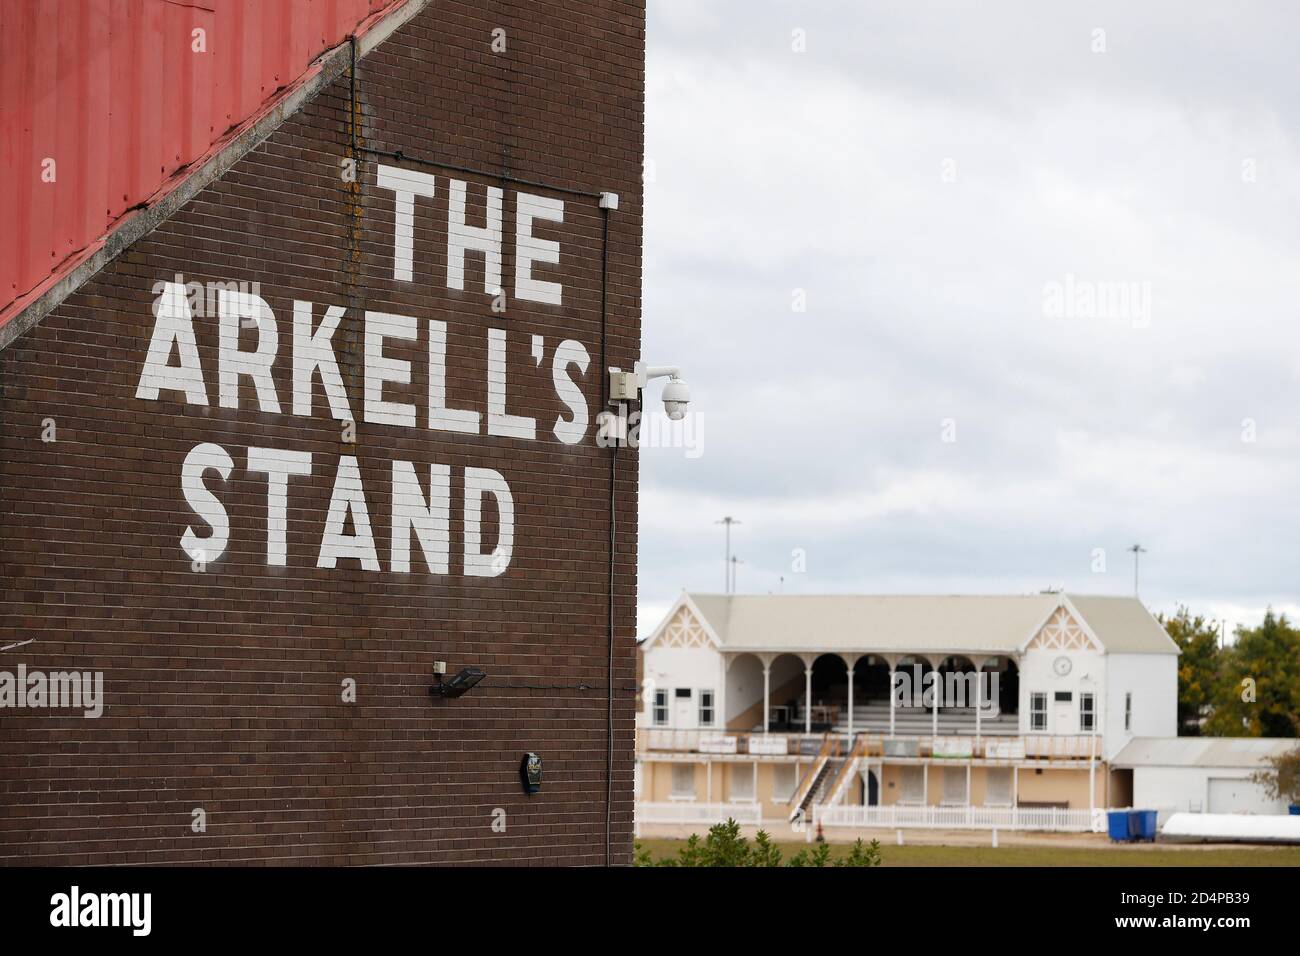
(407, 184)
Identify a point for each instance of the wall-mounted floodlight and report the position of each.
(530, 772)
(625, 386)
(466, 678)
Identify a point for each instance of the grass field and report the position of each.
(1043, 855)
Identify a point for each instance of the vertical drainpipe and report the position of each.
(613, 541)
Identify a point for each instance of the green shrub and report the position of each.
(724, 846)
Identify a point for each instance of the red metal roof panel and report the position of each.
(103, 102)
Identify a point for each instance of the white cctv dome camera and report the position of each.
(677, 395)
(627, 387)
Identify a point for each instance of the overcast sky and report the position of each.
(976, 202)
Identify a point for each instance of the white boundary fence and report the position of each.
(962, 818)
(687, 812)
(703, 814)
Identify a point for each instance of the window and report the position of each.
(661, 708)
(742, 782)
(1064, 696)
(1087, 714)
(784, 780)
(997, 789)
(706, 708)
(683, 692)
(1128, 711)
(954, 787)
(683, 781)
(1038, 711)
(913, 786)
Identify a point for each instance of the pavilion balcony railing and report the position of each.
(1050, 747)
(724, 742)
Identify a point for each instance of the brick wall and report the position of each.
(225, 679)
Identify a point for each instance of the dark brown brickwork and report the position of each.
(223, 686)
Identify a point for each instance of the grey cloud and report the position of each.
(822, 172)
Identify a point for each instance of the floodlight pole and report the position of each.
(728, 521)
(1138, 551)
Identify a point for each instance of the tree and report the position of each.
(1282, 780)
(1198, 667)
(1258, 693)
(724, 846)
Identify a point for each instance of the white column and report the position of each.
(937, 686)
(807, 700)
(1101, 713)
(1092, 774)
(925, 784)
(968, 785)
(1022, 700)
(892, 702)
(979, 699)
(767, 686)
(850, 707)
(720, 694)
(708, 781)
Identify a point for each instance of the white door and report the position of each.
(1063, 719)
(1228, 795)
(683, 709)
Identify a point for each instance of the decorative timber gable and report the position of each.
(1063, 632)
(683, 630)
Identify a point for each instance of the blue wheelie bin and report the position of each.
(1142, 825)
(1117, 825)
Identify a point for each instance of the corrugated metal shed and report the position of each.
(1205, 752)
(105, 103)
